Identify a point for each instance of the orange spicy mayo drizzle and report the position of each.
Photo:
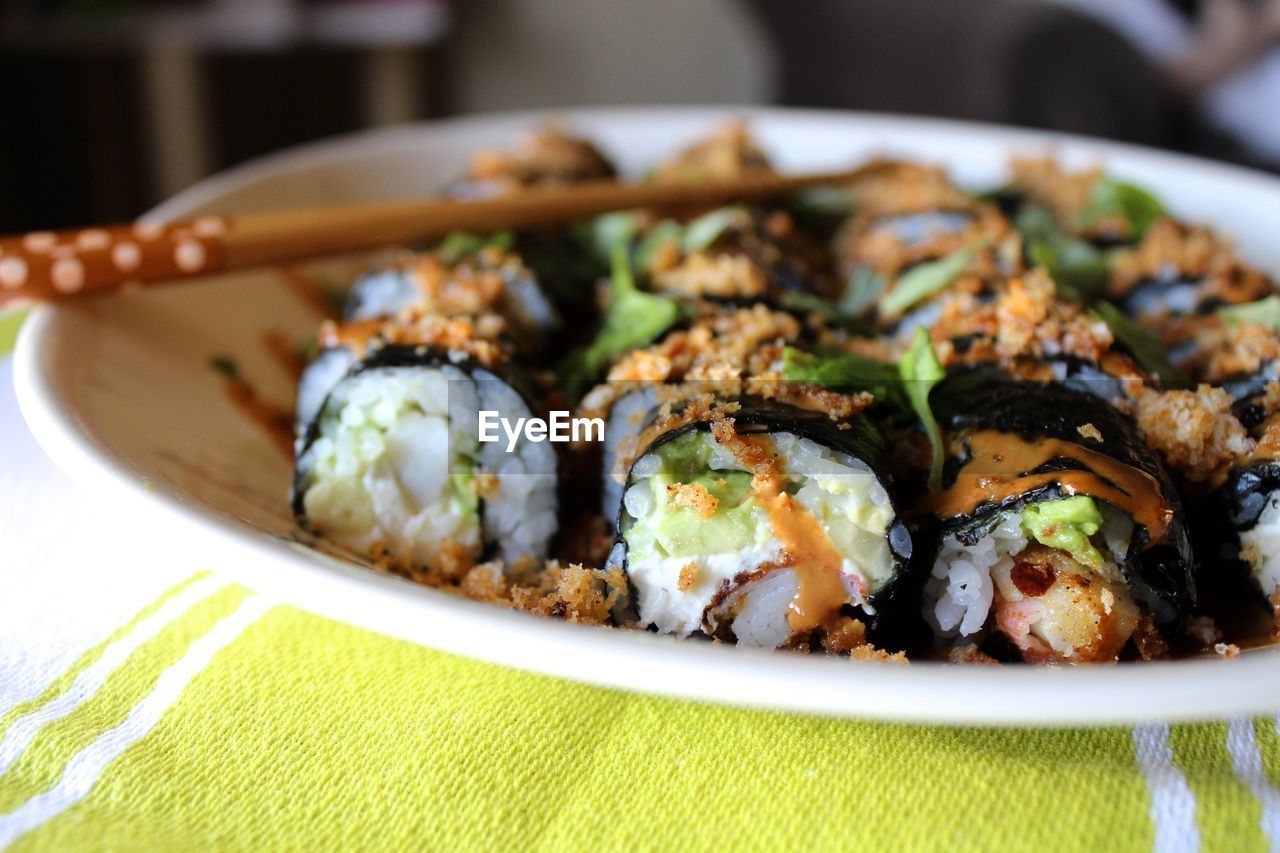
(998, 470)
(820, 590)
(355, 336)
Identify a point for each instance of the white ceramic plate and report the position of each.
(120, 394)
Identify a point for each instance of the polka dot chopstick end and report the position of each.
(48, 266)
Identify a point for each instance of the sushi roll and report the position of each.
(1088, 204)
(550, 156)
(724, 344)
(392, 466)
(1251, 497)
(734, 254)
(1025, 327)
(729, 153)
(490, 286)
(757, 521)
(912, 235)
(1178, 270)
(1060, 534)
(490, 279)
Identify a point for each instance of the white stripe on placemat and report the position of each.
(84, 769)
(1246, 761)
(87, 683)
(1173, 805)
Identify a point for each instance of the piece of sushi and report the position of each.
(1251, 496)
(391, 302)
(1025, 327)
(913, 235)
(1178, 270)
(735, 254)
(392, 466)
(724, 343)
(549, 156)
(1059, 531)
(490, 279)
(757, 522)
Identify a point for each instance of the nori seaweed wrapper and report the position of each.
(1246, 490)
(760, 416)
(1160, 573)
(392, 355)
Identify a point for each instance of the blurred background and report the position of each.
(111, 105)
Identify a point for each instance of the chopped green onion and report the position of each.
(225, 365)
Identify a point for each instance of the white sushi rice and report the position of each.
(1260, 546)
(841, 492)
(964, 580)
(960, 590)
(395, 463)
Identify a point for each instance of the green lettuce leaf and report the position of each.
(1145, 347)
(924, 280)
(666, 231)
(798, 300)
(921, 370)
(1134, 204)
(632, 319)
(459, 244)
(847, 373)
(863, 289)
(1264, 312)
(1079, 270)
(702, 232)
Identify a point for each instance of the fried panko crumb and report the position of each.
(735, 339)
(569, 592)
(693, 496)
(1194, 432)
(548, 156)
(1221, 350)
(1148, 640)
(728, 153)
(1066, 195)
(870, 652)
(970, 653)
(1192, 253)
(1203, 630)
(1227, 650)
(847, 636)
(1089, 431)
(704, 274)
(688, 576)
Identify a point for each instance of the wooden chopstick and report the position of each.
(57, 266)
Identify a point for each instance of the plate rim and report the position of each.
(1185, 690)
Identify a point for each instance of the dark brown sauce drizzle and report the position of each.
(275, 420)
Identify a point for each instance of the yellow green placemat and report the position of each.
(10, 322)
(244, 726)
